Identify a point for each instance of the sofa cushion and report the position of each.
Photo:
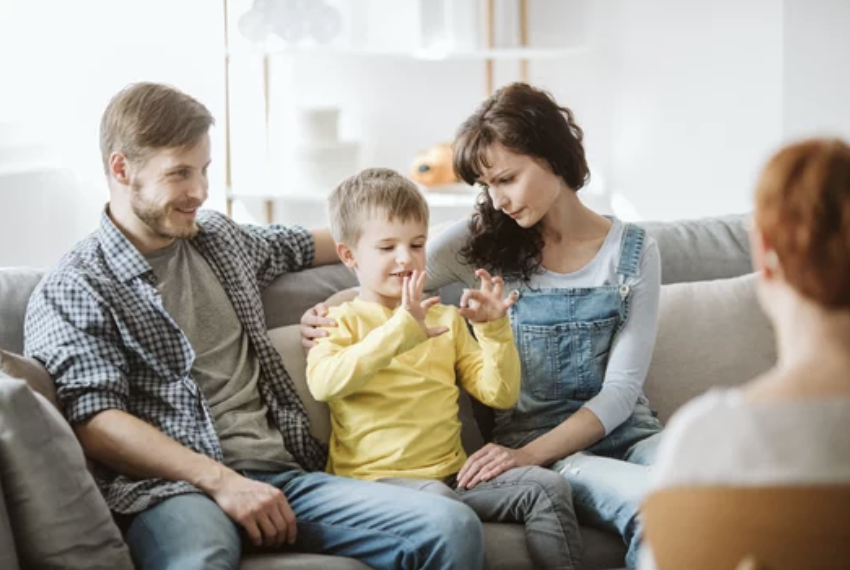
(16, 286)
(710, 333)
(290, 295)
(704, 249)
(30, 371)
(287, 341)
(691, 250)
(59, 517)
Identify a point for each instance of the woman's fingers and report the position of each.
(511, 300)
(474, 464)
(429, 302)
(498, 287)
(486, 280)
(461, 475)
(494, 469)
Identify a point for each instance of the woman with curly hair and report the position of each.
(586, 318)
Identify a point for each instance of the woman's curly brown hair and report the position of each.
(526, 121)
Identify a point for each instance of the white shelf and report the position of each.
(435, 199)
(515, 54)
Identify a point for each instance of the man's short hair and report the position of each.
(370, 193)
(145, 117)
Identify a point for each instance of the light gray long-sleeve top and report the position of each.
(631, 352)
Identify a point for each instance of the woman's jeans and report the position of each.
(608, 490)
(382, 526)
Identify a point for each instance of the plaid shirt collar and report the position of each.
(120, 255)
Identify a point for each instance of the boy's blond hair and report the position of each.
(373, 192)
(145, 117)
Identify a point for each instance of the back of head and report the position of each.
(371, 193)
(145, 117)
(803, 213)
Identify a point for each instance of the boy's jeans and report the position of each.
(382, 527)
(536, 497)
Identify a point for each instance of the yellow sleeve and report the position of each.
(488, 369)
(338, 365)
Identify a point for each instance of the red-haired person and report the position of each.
(790, 425)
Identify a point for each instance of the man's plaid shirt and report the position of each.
(97, 323)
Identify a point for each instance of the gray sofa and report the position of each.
(711, 333)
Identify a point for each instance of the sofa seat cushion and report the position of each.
(504, 543)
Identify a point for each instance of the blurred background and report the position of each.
(681, 101)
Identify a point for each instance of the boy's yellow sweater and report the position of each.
(393, 391)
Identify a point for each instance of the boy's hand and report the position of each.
(486, 304)
(411, 300)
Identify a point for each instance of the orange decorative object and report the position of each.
(433, 166)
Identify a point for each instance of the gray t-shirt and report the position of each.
(226, 367)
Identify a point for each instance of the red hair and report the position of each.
(803, 212)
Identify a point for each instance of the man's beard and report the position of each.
(156, 218)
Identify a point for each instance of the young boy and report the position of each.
(389, 370)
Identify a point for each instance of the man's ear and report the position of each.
(346, 256)
(119, 168)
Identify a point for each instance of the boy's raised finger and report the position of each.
(420, 282)
(405, 293)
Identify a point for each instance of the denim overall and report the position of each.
(564, 337)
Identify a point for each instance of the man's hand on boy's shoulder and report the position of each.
(311, 323)
(486, 304)
(411, 299)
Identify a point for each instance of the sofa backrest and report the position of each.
(16, 286)
(693, 250)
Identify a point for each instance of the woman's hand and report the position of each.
(490, 461)
(411, 300)
(486, 303)
(310, 323)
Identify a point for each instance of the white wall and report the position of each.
(817, 68)
(60, 63)
(698, 102)
(681, 100)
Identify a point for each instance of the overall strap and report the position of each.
(631, 248)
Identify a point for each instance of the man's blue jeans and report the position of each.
(383, 526)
